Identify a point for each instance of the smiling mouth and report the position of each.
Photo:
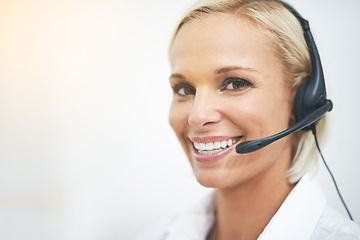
(209, 148)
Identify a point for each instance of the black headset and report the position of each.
(310, 102)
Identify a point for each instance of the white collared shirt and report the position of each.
(302, 216)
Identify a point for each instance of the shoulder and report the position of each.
(334, 226)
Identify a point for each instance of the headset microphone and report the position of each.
(251, 146)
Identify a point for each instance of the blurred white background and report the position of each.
(86, 151)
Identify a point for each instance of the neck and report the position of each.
(243, 212)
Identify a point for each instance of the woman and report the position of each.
(236, 67)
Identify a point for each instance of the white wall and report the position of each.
(86, 151)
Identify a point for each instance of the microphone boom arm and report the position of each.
(251, 146)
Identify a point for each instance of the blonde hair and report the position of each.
(287, 34)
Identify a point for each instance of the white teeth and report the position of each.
(209, 146)
(208, 152)
(197, 145)
(213, 147)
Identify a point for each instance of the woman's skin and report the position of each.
(229, 83)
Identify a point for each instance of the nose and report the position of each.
(204, 112)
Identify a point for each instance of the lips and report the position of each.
(213, 148)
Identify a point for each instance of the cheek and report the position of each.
(178, 118)
(249, 110)
(261, 114)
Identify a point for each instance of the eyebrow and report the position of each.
(232, 68)
(218, 71)
(176, 75)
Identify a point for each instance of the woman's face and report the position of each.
(229, 87)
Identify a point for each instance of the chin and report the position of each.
(211, 178)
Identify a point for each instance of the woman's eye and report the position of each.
(184, 89)
(235, 84)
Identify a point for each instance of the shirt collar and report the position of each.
(299, 214)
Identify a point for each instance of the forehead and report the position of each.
(222, 39)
